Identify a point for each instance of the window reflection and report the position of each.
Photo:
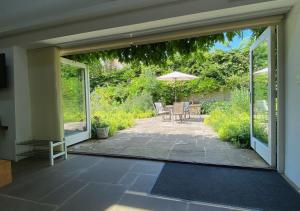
(74, 99)
(260, 92)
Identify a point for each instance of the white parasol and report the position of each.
(176, 76)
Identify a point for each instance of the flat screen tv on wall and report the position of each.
(3, 72)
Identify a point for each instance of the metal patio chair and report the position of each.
(161, 111)
(178, 110)
(186, 109)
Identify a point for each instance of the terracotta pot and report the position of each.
(102, 132)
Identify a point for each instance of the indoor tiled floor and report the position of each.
(88, 183)
(191, 141)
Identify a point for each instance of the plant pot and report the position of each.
(102, 132)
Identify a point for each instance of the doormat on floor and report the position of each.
(247, 188)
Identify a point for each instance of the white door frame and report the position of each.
(76, 138)
(280, 99)
(278, 21)
(267, 152)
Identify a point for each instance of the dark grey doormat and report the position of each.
(247, 188)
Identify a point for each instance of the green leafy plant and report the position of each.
(232, 122)
(99, 124)
(208, 106)
(120, 95)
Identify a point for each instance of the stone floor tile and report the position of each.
(128, 179)
(36, 188)
(94, 197)
(12, 204)
(110, 170)
(156, 139)
(60, 194)
(144, 184)
(202, 207)
(148, 167)
(132, 202)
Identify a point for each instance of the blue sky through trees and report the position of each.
(235, 43)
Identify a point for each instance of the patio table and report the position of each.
(169, 107)
(195, 108)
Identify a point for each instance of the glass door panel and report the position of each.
(260, 93)
(75, 100)
(262, 87)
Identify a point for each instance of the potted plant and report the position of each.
(101, 128)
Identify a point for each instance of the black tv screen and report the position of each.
(3, 72)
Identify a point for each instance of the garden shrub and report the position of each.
(119, 95)
(116, 119)
(236, 130)
(209, 106)
(119, 115)
(232, 122)
(139, 103)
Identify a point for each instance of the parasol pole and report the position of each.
(175, 90)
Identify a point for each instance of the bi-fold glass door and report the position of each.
(263, 96)
(76, 101)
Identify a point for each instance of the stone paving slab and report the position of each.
(190, 141)
(94, 183)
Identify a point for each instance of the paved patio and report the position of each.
(92, 184)
(191, 141)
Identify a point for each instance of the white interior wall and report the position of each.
(7, 112)
(31, 106)
(22, 99)
(292, 68)
(45, 91)
(15, 108)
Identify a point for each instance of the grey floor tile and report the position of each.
(35, 188)
(62, 193)
(30, 167)
(110, 170)
(128, 179)
(200, 207)
(10, 204)
(148, 167)
(77, 165)
(156, 142)
(147, 152)
(94, 197)
(144, 184)
(132, 202)
(192, 156)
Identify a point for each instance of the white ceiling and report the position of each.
(36, 23)
(17, 15)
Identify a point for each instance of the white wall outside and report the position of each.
(292, 68)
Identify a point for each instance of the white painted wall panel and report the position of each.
(45, 91)
(22, 99)
(292, 68)
(7, 111)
